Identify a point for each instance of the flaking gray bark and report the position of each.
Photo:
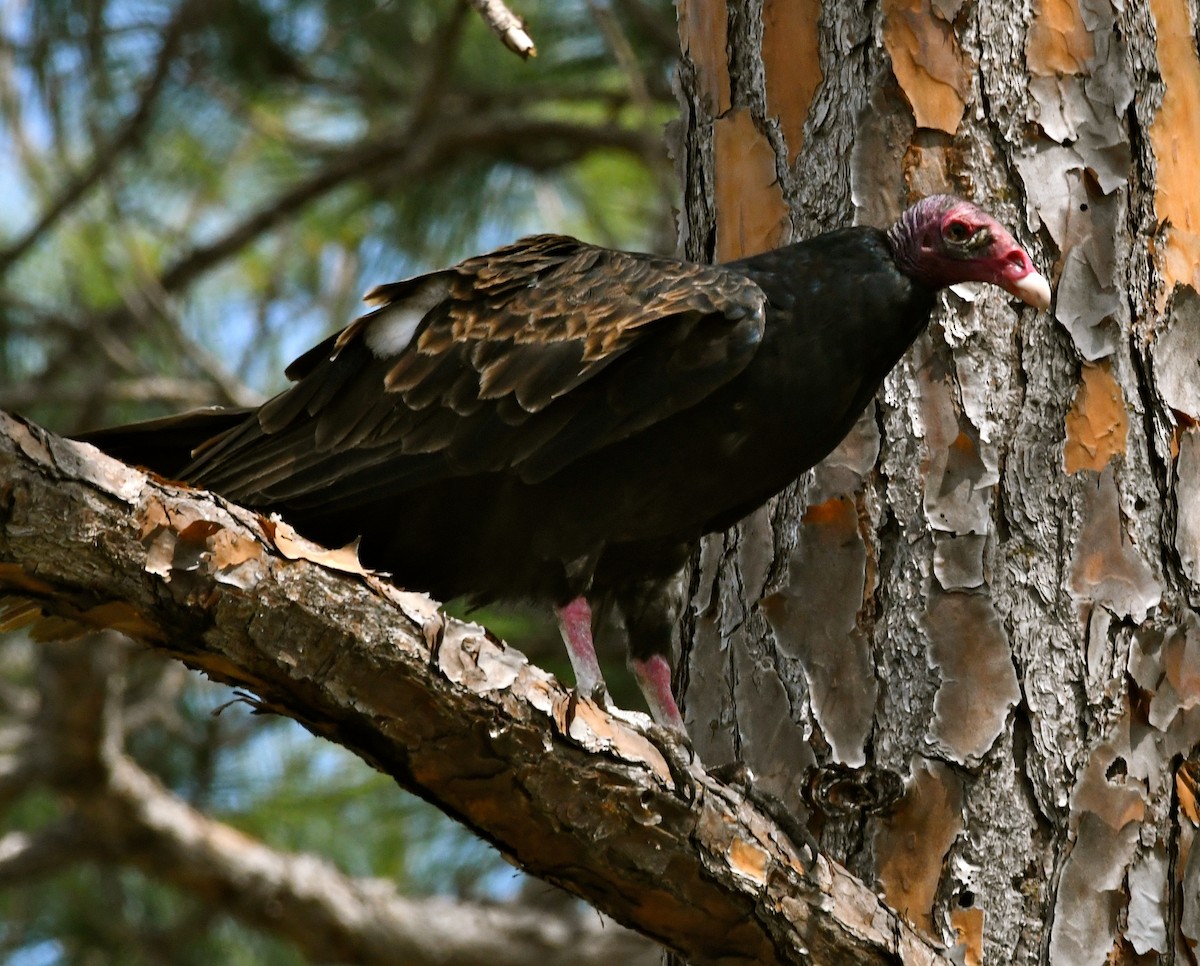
(988, 593)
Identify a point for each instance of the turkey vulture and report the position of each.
(559, 422)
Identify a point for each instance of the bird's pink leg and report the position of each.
(654, 678)
(575, 623)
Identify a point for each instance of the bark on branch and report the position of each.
(584, 800)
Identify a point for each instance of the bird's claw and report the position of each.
(680, 756)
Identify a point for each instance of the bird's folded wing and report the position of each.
(525, 359)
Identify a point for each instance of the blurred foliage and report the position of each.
(194, 193)
(232, 174)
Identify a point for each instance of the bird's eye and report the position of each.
(957, 231)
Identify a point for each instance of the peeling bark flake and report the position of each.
(1097, 424)
(1105, 817)
(956, 496)
(1189, 922)
(792, 64)
(1175, 139)
(235, 560)
(1166, 666)
(927, 62)
(747, 860)
(491, 666)
(911, 843)
(1181, 667)
(884, 131)
(751, 212)
(1058, 40)
(1146, 918)
(122, 481)
(1084, 219)
(1176, 354)
(31, 442)
(1063, 193)
(969, 649)
(704, 39)
(1105, 568)
(1089, 304)
(180, 542)
(772, 744)
(1187, 787)
(1082, 84)
(295, 547)
(754, 553)
(958, 560)
(928, 169)
(465, 658)
(1162, 742)
(968, 929)
(815, 620)
(710, 703)
(1187, 498)
(160, 552)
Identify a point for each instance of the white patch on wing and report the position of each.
(391, 332)
(392, 329)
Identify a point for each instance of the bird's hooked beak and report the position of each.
(1032, 289)
(1018, 277)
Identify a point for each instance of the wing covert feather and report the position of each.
(520, 359)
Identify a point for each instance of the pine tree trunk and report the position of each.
(967, 643)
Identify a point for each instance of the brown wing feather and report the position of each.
(518, 358)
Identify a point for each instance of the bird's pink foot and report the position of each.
(654, 678)
(575, 624)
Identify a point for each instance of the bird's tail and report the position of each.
(168, 444)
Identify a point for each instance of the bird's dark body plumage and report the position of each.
(554, 419)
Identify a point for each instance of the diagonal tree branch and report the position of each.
(577, 796)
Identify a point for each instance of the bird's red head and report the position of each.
(942, 240)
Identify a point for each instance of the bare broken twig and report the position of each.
(507, 26)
